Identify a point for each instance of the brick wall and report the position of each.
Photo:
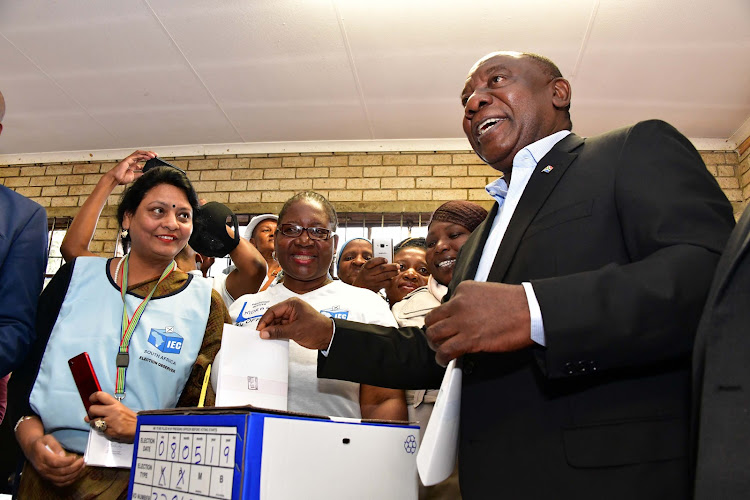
(743, 170)
(354, 182)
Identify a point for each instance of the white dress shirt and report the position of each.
(507, 198)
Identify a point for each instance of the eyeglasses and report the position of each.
(315, 233)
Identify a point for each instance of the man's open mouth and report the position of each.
(486, 125)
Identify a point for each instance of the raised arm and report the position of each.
(250, 271)
(81, 230)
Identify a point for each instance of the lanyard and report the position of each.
(129, 325)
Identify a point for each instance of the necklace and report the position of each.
(117, 269)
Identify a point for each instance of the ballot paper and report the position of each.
(436, 457)
(102, 452)
(252, 371)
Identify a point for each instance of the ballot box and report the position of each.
(251, 453)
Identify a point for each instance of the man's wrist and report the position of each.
(330, 343)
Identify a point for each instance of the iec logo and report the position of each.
(166, 340)
(410, 445)
(335, 314)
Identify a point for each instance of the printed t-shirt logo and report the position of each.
(243, 317)
(166, 340)
(335, 313)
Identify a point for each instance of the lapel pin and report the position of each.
(547, 169)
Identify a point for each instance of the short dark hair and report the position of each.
(410, 242)
(545, 64)
(550, 69)
(315, 198)
(134, 194)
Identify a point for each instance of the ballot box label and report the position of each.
(191, 462)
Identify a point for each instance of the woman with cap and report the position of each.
(449, 228)
(261, 232)
(122, 312)
(249, 270)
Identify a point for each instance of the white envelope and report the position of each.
(102, 452)
(436, 457)
(251, 371)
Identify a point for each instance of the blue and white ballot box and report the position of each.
(250, 453)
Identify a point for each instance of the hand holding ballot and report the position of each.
(296, 320)
(480, 317)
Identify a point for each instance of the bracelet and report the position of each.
(20, 420)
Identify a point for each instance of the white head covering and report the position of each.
(255, 221)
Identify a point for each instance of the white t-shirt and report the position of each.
(218, 283)
(308, 393)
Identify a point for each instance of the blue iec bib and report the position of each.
(163, 348)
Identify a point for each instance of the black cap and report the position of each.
(210, 237)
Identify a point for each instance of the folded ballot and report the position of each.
(251, 371)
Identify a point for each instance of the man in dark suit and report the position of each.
(573, 305)
(23, 258)
(721, 378)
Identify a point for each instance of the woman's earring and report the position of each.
(273, 255)
(124, 233)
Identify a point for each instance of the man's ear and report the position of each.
(335, 244)
(561, 94)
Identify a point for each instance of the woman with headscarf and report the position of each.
(449, 228)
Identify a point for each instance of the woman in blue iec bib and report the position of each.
(149, 346)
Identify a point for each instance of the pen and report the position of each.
(206, 381)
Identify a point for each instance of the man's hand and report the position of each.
(297, 320)
(480, 317)
(129, 169)
(53, 464)
(119, 418)
(375, 274)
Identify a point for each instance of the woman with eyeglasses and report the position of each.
(150, 331)
(305, 246)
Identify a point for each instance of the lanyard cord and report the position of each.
(129, 325)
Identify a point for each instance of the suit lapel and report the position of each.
(738, 244)
(469, 255)
(536, 193)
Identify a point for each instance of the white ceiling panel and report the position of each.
(307, 121)
(91, 74)
(413, 118)
(69, 131)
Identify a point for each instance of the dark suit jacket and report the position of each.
(721, 377)
(23, 259)
(619, 240)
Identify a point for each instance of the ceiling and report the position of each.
(86, 75)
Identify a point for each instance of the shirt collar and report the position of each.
(543, 146)
(527, 157)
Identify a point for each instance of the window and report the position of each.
(56, 227)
